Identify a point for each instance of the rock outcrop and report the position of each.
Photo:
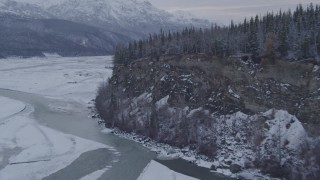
(241, 114)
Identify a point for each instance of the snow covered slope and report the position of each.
(62, 37)
(110, 22)
(156, 171)
(135, 17)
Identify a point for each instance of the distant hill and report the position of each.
(125, 16)
(28, 37)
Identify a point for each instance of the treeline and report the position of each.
(291, 35)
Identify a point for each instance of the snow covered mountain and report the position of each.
(101, 23)
(28, 37)
(129, 17)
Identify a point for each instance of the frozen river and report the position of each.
(127, 164)
(54, 138)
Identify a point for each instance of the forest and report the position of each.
(293, 36)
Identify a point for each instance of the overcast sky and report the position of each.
(223, 11)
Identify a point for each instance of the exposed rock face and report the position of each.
(223, 86)
(214, 106)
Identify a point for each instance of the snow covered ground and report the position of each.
(9, 108)
(156, 171)
(75, 78)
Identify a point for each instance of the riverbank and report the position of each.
(167, 152)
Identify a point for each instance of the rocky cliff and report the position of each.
(242, 115)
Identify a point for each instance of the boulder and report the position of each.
(235, 168)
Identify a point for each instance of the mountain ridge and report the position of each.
(28, 37)
(141, 17)
(118, 21)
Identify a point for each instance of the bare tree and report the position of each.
(269, 49)
(258, 137)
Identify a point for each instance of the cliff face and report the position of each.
(215, 106)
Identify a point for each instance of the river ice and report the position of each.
(75, 78)
(31, 151)
(22, 140)
(156, 171)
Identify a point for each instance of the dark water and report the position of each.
(128, 166)
(87, 163)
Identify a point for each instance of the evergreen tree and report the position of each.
(292, 35)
